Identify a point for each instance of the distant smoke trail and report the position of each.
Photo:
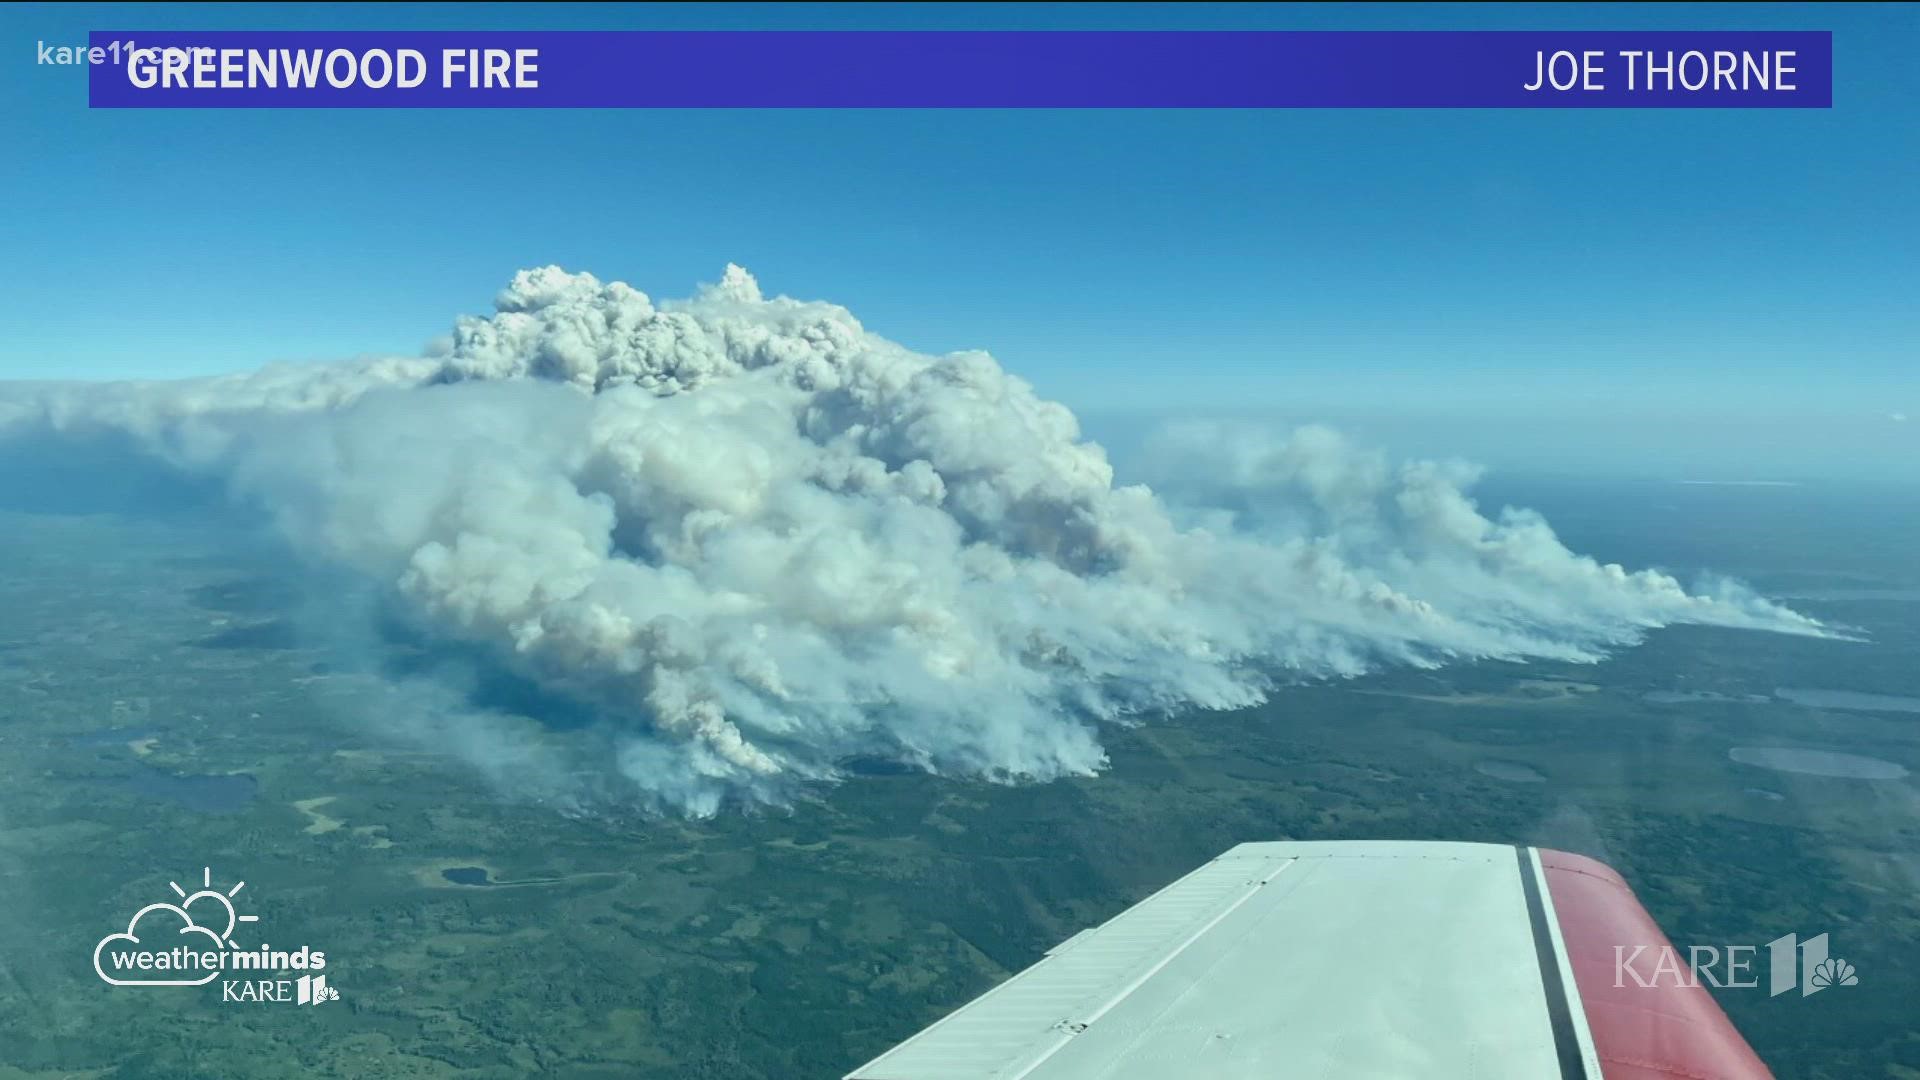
(758, 540)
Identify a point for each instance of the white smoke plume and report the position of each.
(758, 540)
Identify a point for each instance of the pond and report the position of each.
(1849, 699)
(1817, 762)
(1511, 771)
(213, 793)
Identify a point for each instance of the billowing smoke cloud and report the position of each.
(757, 540)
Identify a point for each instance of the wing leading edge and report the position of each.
(1330, 959)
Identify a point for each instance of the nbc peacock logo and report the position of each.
(1805, 965)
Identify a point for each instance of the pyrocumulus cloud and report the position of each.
(756, 540)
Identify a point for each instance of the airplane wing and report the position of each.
(1345, 960)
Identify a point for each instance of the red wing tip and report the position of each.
(1554, 859)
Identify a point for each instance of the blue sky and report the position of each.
(1720, 282)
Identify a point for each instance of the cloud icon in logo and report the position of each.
(159, 940)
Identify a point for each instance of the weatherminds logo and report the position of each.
(191, 943)
(1791, 962)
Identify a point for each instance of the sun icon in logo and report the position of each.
(210, 898)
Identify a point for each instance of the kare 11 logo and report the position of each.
(191, 943)
(1792, 963)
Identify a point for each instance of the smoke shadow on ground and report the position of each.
(353, 630)
(404, 652)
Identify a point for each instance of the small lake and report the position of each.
(116, 737)
(218, 793)
(467, 875)
(1687, 697)
(1849, 699)
(1817, 762)
(1512, 772)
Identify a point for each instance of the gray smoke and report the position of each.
(757, 540)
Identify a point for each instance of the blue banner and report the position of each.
(961, 69)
